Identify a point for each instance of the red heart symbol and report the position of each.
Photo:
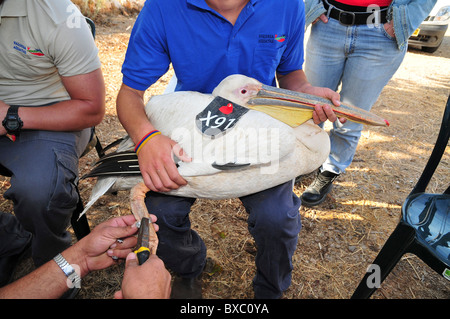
(226, 109)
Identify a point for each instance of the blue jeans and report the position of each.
(361, 58)
(44, 168)
(274, 222)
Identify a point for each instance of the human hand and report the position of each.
(157, 165)
(323, 112)
(322, 17)
(389, 28)
(113, 238)
(151, 280)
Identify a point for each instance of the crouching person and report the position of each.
(51, 94)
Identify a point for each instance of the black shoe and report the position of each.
(318, 190)
(186, 288)
(8, 264)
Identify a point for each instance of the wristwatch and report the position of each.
(12, 121)
(68, 270)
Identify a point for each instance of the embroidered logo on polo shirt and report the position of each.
(35, 52)
(271, 38)
(280, 38)
(25, 49)
(20, 47)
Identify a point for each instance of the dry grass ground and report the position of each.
(341, 237)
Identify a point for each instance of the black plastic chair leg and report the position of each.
(394, 248)
(428, 258)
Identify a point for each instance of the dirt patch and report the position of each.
(341, 237)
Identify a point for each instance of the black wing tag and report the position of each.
(219, 116)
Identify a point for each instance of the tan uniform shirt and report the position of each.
(40, 41)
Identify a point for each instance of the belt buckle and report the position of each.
(345, 16)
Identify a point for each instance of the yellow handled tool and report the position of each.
(143, 245)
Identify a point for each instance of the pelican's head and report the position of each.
(238, 89)
(290, 107)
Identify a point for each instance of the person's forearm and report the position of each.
(131, 113)
(93, 252)
(71, 115)
(86, 107)
(46, 282)
(295, 81)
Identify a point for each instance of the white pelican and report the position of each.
(243, 138)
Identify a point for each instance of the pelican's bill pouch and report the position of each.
(218, 117)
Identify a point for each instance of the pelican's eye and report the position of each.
(243, 91)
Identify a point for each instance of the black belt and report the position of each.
(351, 17)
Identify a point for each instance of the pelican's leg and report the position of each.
(139, 210)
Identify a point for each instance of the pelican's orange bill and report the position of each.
(294, 108)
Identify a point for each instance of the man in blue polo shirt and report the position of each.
(207, 40)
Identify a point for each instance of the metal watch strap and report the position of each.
(68, 270)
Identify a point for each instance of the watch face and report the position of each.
(12, 124)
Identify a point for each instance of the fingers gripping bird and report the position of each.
(243, 138)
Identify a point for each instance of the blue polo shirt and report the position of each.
(204, 47)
